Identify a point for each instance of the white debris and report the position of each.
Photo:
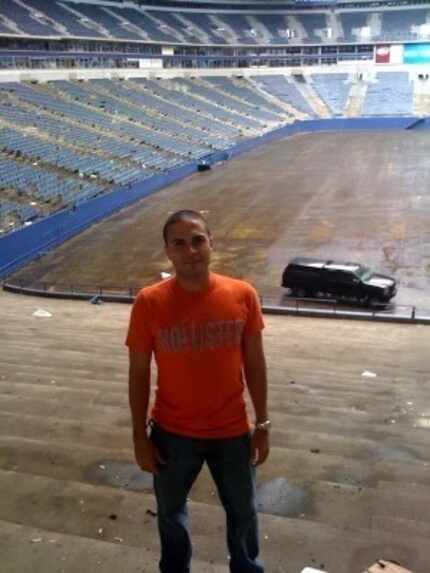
(42, 313)
(311, 570)
(102, 467)
(368, 374)
(101, 530)
(37, 540)
(119, 539)
(165, 275)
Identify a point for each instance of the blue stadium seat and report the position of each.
(333, 90)
(390, 94)
(286, 91)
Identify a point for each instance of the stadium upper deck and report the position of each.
(188, 23)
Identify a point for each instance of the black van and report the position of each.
(349, 281)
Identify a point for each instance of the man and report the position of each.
(204, 330)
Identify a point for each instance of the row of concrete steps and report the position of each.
(355, 102)
(313, 475)
(292, 414)
(65, 433)
(330, 424)
(313, 99)
(347, 481)
(422, 104)
(127, 518)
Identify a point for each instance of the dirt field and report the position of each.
(352, 196)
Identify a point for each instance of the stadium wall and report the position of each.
(365, 69)
(28, 243)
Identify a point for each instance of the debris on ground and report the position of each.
(42, 313)
(368, 374)
(382, 566)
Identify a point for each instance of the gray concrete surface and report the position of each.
(347, 481)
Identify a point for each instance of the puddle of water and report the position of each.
(119, 474)
(390, 453)
(278, 497)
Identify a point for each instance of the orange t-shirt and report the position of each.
(197, 343)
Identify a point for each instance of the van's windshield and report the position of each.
(364, 273)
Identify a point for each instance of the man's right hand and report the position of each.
(147, 456)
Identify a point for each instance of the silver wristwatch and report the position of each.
(264, 426)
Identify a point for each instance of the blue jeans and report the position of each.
(229, 462)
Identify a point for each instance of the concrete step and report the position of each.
(287, 544)
(83, 361)
(368, 450)
(116, 432)
(15, 374)
(64, 460)
(289, 397)
(304, 383)
(48, 399)
(389, 415)
(399, 526)
(411, 503)
(347, 503)
(106, 424)
(28, 549)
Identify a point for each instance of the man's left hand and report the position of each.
(260, 447)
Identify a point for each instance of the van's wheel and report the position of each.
(301, 293)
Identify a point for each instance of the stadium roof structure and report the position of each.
(274, 4)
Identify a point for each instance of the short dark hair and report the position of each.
(184, 215)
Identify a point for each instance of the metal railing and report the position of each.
(75, 291)
(332, 308)
(275, 302)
